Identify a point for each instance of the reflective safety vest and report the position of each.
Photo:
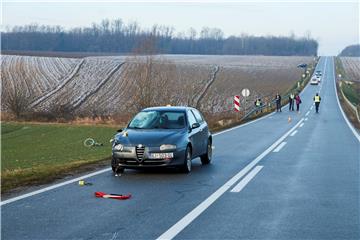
(317, 98)
(258, 103)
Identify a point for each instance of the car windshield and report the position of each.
(158, 120)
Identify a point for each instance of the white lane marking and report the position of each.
(301, 125)
(312, 106)
(293, 133)
(306, 119)
(115, 235)
(308, 112)
(191, 216)
(279, 147)
(356, 134)
(53, 187)
(246, 179)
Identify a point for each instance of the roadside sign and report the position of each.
(237, 103)
(245, 92)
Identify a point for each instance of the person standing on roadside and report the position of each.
(298, 102)
(258, 104)
(291, 102)
(317, 100)
(278, 102)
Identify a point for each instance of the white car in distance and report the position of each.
(314, 81)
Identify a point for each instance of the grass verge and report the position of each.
(39, 153)
(351, 91)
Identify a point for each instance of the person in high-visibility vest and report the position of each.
(258, 104)
(317, 100)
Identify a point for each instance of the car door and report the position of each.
(203, 129)
(194, 134)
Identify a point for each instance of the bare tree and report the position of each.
(16, 91)
(152, 76)
(15, 100)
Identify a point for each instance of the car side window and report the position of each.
(191, 118)
(198, 116)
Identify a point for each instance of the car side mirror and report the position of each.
(119, 130)
(195, 125)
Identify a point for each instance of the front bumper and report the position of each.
(131, 159)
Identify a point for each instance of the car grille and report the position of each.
(133, 162)
(140, 152)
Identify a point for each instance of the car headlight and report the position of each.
(167, 147)
(119, 147)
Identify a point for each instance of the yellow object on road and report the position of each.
(83, 183)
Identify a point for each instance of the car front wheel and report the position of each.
(186, 168)
(116, 169)
(206, 158)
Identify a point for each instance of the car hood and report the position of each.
(151, 137)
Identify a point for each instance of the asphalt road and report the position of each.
(269, 179)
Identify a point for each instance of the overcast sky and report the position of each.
(333, 24)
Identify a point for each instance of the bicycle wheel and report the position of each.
(89, 142)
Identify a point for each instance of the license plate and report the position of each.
(161, 155)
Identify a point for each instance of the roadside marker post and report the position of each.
(245, 92)
(237, 106)
(237, 103)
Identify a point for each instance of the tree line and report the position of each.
(117, 37)
(351, 51)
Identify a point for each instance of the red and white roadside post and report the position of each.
(237, 103)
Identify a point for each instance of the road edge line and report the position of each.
(10, 200)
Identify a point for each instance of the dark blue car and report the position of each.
(162, 137)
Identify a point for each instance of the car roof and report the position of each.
(168, 108)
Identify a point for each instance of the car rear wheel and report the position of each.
(206, 158)
(186, 168)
